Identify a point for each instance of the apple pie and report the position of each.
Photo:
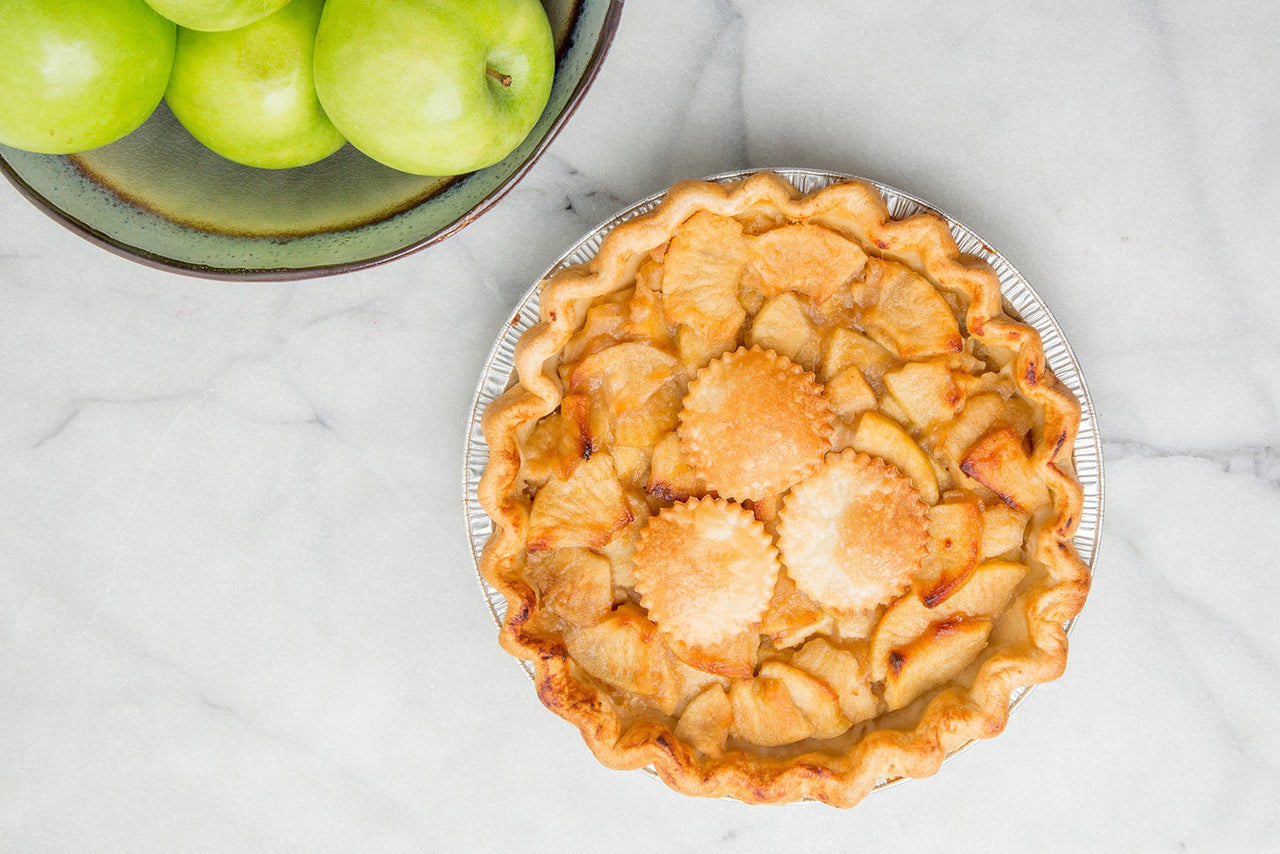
(783, 497)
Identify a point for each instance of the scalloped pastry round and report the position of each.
(705, 570)
(853, 534)
(696, 589)
(753, 424)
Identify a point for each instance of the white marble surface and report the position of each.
(237, 611)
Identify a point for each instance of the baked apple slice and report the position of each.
(644, 318)
(980, 414)
(671, 477)
(925, 391)
(705, 722)
(625, 651)
(849, 394)
(765, 714)
(813, 697)
(792, 616)
(601, 328)
(935, 658)
(985, 594)
(556, 445)
(955, 539)
(782, 326)
(701, 271)
(583, 510)
(904, 313)
(577, 583)
(882, 437)
(645, 426)
(733, 657)
(845, 673)
(844, 348)
(805, 258)
(626, 376)
(999, 462)
(1003, 529)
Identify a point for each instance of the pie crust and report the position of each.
(833, 408)
(753, 424)
(705, 571)
(854, 533)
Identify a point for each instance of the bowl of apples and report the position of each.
(284, 139)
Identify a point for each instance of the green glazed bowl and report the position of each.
(159, 197)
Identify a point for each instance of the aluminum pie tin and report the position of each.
(1020, 298)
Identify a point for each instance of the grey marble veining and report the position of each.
(237, 609)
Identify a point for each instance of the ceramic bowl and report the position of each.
(159, 197)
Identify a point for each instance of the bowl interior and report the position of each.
(160, 197)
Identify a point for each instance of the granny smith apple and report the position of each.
(77, 74)
(247, 93)
(215, 15)
(434, 87)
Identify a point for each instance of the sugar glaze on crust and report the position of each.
(913, 741)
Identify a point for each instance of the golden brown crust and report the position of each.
(842, 774)
(705, 570)
(753, 424)
(854, 533)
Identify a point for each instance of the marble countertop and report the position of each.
(237, 607)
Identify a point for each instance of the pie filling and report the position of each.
(784, 498)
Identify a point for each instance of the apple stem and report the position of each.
(504, 79)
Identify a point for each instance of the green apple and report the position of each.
(434, 87)
(247, 93)
(77, 74)
(215, 15)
